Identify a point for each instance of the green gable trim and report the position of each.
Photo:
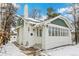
(20, 22)
(59, 22)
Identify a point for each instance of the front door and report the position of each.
(38, 39)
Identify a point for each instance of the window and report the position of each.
(58, 31)
(39, 32)
(49, 31)
(63, 32)
(52, 31)
(31, 34)
(55, 31)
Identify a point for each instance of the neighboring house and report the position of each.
(44, 34)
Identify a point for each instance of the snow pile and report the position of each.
(11, 50)
(64, 51)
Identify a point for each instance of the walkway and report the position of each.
(11, 50)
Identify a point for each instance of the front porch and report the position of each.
(38, 37)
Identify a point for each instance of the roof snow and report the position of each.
(33, 20)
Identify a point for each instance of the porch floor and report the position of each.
(29, 51)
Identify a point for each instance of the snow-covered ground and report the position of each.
(64, 51)
(11, 50)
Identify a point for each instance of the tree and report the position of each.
(36, 13)
(76, 20)
(8, 20)
(75, 8)
(51, 13)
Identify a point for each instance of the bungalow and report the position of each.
(44, 34)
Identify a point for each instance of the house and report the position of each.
(46, 34)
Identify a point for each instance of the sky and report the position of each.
(58, 8)
(41, 6)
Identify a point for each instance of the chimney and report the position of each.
(25, 11)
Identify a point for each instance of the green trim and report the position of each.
(59, 22)
(20, 22)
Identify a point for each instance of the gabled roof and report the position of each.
(28, 19)
(40, 23)
(66, 20)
